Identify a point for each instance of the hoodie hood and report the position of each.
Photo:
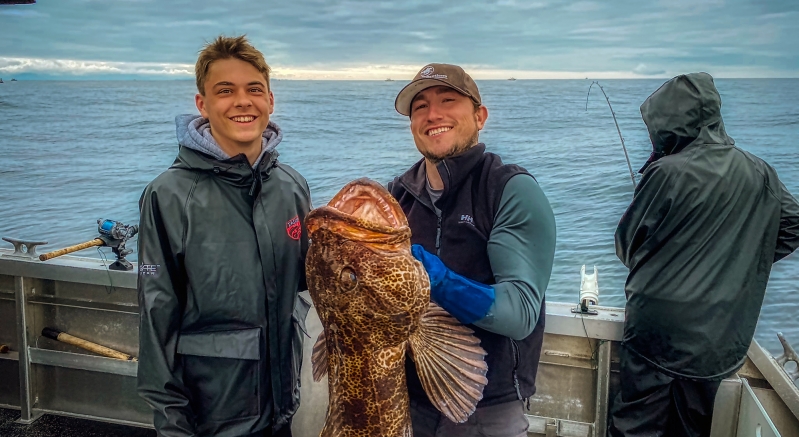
(194, 132)
(685, 111)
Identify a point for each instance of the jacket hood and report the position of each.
(199, 151)
(685, 111)
(194, 132)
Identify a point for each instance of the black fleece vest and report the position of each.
(473, 185)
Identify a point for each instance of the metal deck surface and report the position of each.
(57, 426)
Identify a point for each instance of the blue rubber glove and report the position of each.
(467, 300)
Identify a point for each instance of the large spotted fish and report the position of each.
(373, 299)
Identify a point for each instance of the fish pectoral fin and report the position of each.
(319, 358)
(450, 363)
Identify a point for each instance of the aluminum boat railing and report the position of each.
(577, 376)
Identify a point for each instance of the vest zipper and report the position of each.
(418, 198)
(438, 234)
(441, 214)
(432, 208)
(449, 174)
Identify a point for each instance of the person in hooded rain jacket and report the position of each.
(221, 251)
(706, 224)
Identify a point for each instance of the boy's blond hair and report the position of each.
(224, 47)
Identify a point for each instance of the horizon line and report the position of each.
(72, 69)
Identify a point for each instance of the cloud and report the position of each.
(602, 34)
(339, 37)
(172, 24)
(521, 4)
(422, 35)
(776, 15)
(72, 67)
(585, 6)
(693, 7)
(646, 70)
(14, 12)
(79, 67)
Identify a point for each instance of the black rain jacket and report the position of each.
(706, 224)
(221, 260)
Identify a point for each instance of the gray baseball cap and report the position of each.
(432, 75)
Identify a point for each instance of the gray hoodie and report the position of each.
(194, 132)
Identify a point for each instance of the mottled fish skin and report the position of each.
(370, 294)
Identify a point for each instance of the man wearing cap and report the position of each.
(485, 233)
(706, 224)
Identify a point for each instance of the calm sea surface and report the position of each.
(73, 152)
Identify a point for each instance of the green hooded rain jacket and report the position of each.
(221, 260)
(706, 223)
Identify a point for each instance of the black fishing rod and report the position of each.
(612, 112)
(589, 287)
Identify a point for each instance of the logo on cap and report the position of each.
(427, 73)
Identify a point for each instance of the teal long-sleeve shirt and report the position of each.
(521, 249)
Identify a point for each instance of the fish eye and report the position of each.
(348, 279)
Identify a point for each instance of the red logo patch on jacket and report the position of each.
(293, 228)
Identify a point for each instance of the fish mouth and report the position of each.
(366, 200)
(364, 211)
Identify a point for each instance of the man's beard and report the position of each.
(456, 149)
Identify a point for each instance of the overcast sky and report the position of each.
(354, 39)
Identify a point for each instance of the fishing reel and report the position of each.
(116, 230)
(114, 235)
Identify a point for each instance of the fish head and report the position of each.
(362, 277)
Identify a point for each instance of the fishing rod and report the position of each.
(112, 234)
(589, 286)
(612, 112)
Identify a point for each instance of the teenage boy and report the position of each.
(221, 250)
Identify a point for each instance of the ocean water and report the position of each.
(73, 152)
